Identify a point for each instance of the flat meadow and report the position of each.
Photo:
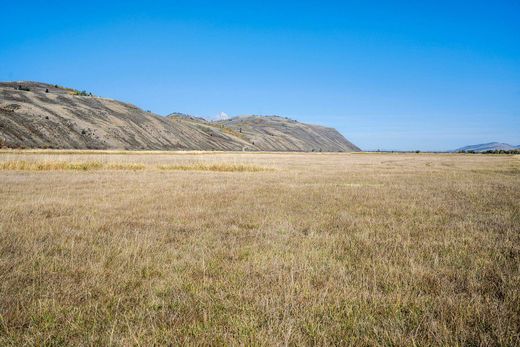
(216, 248)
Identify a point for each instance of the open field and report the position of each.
(214, 248)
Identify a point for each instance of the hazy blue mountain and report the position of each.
(491, 146)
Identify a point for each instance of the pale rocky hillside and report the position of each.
(40, 115)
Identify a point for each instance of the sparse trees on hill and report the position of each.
(81, 93)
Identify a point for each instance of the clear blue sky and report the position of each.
(429, 75)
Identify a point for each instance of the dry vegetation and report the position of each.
(24, 165)
(220, 167)
(327, 249)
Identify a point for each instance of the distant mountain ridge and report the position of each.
(491, 146)
(41, 115)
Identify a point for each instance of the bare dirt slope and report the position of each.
(39, 115)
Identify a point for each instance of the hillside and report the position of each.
(491, 146)
(40, 115)
(285, 134)
(58, 119)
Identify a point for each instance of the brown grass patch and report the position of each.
(218, 167)
(31, 165)
(124, 166)
(335, 249)
(24, 165)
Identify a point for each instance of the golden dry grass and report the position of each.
(25, 165)
(219, 167)
(325, 249)
(47, 165)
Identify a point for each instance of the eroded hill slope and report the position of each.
(40, 115)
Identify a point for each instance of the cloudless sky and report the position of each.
(428, 75)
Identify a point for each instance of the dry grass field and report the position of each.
(119, 248)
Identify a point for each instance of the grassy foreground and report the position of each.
(317, 249)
